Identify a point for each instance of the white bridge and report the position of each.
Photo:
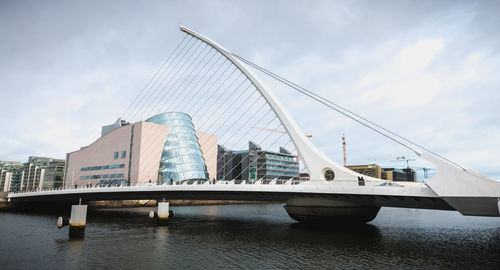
(333, 191)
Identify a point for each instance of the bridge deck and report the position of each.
(410, 195)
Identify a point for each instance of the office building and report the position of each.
(10, 175)
(391, 174)
(54, 174)
(33, 173)
(368, 170)
(163, 149)
(254, 164)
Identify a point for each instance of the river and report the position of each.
(250, 237)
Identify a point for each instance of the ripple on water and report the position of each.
(250, 237)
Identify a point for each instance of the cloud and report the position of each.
(424, 69)
(417, 57)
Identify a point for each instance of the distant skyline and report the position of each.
(425, 69)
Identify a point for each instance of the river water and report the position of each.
(250, 237)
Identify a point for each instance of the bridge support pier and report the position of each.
(77, 221)
(329, 211)
(163, 214)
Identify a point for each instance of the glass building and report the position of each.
(255, 163)
(181, 158)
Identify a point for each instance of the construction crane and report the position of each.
(425, 170)
(343, 147)
(405, 159)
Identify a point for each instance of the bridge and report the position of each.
(333, 193)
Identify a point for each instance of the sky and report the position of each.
(424, 69)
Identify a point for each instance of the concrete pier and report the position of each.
(330, 211)
(163, 212)
(77, 221)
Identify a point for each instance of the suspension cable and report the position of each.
(341, 109)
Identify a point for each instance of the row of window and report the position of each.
(183, 130)
(160, 118)
(169, 176)
(280, 157)
(185, 143)
(177, 123)
(167, 162)
(182, 137)
(99, 176)
(104, 167)
(117, 182)
(281, 173)
(183, 167)
(282, 162)
(180, 152)
(123, 155)
(282, 167)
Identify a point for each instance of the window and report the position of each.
(124, 154)
(116, 155)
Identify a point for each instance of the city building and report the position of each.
(54, 174)
(391, 174)
(10, 175)
(372, 170)
(33, 173)
(255, 163)
(163, 149)
(411, 174)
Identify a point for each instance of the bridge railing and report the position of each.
(343, 185)
(188, 182)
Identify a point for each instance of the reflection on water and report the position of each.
(250, 236)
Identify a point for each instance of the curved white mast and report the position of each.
(316, 162)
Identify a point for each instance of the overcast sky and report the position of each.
(425, 69)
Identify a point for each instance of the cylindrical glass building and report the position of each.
(181, 158)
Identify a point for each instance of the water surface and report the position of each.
(250, 237)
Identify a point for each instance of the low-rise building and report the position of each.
(10, 175)
(33, 173)
(163, 149)
(372, 170)
(254, 164)
(391, 174)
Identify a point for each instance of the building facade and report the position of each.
(10, 176)
(163, 149)
(254, 164)
(33, 173)
(391, 174)
(54, 174)
(368, 170)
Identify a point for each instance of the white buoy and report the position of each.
(61, 222)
